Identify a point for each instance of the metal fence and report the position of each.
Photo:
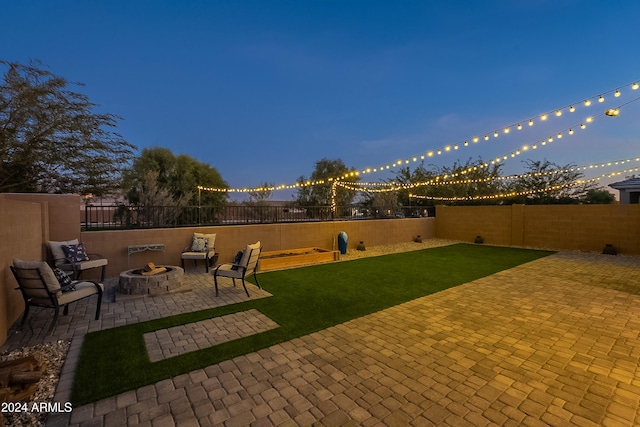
(128, 217)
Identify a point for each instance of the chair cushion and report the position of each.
(227, 270)
(75, 253)
(57, 252)
(194, 255)
(47, 273)
(247, 251)
(92, 263)
(83, 289)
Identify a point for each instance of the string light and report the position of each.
(475, 139)
(544, 116)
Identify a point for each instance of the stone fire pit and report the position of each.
(133, 282)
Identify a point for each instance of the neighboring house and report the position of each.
(629, 190)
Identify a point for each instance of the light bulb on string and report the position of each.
(543, 117)
(530, 122)
(558, 113)
(583, 126)
(601, 98)
(495, 134)
(570, 131)
(587, 102)
(634, 86)
(617, 94)
(519, 127)
(572, 109)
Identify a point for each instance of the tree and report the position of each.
(157, 206)
(258, 208)
(260, 196)
(599, 196)
(463, 183)
(52, 140)
(323, 177)
(179, 176)
(548, 183)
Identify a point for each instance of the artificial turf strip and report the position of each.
(304, 300)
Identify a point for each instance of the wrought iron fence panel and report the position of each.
(129, 217)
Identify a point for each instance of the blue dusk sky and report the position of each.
(263, 89)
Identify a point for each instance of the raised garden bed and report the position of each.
(273, 260)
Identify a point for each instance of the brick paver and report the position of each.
(552, 342)
(165, 343)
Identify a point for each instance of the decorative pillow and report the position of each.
(237, 260)
(75, 253)
(57, 252)
(65, 281)
(210, 239)
(199, 244)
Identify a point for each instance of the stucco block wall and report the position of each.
(572, 227)
(64, 213)
(464, 223)
(584, 227)
(230, 239)
(22, 233)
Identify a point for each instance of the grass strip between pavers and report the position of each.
(304, 300)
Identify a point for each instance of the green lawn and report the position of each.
(304, 300)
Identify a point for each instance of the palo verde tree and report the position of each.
(51, 138)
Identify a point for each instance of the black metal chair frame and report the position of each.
(53, 298)
(243, 269)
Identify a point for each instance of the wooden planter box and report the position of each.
(272, 260)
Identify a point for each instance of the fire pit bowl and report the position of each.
(133, 282)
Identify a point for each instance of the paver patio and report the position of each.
(552, 342)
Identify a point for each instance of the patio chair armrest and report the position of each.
(94, 283)
(95, 256)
